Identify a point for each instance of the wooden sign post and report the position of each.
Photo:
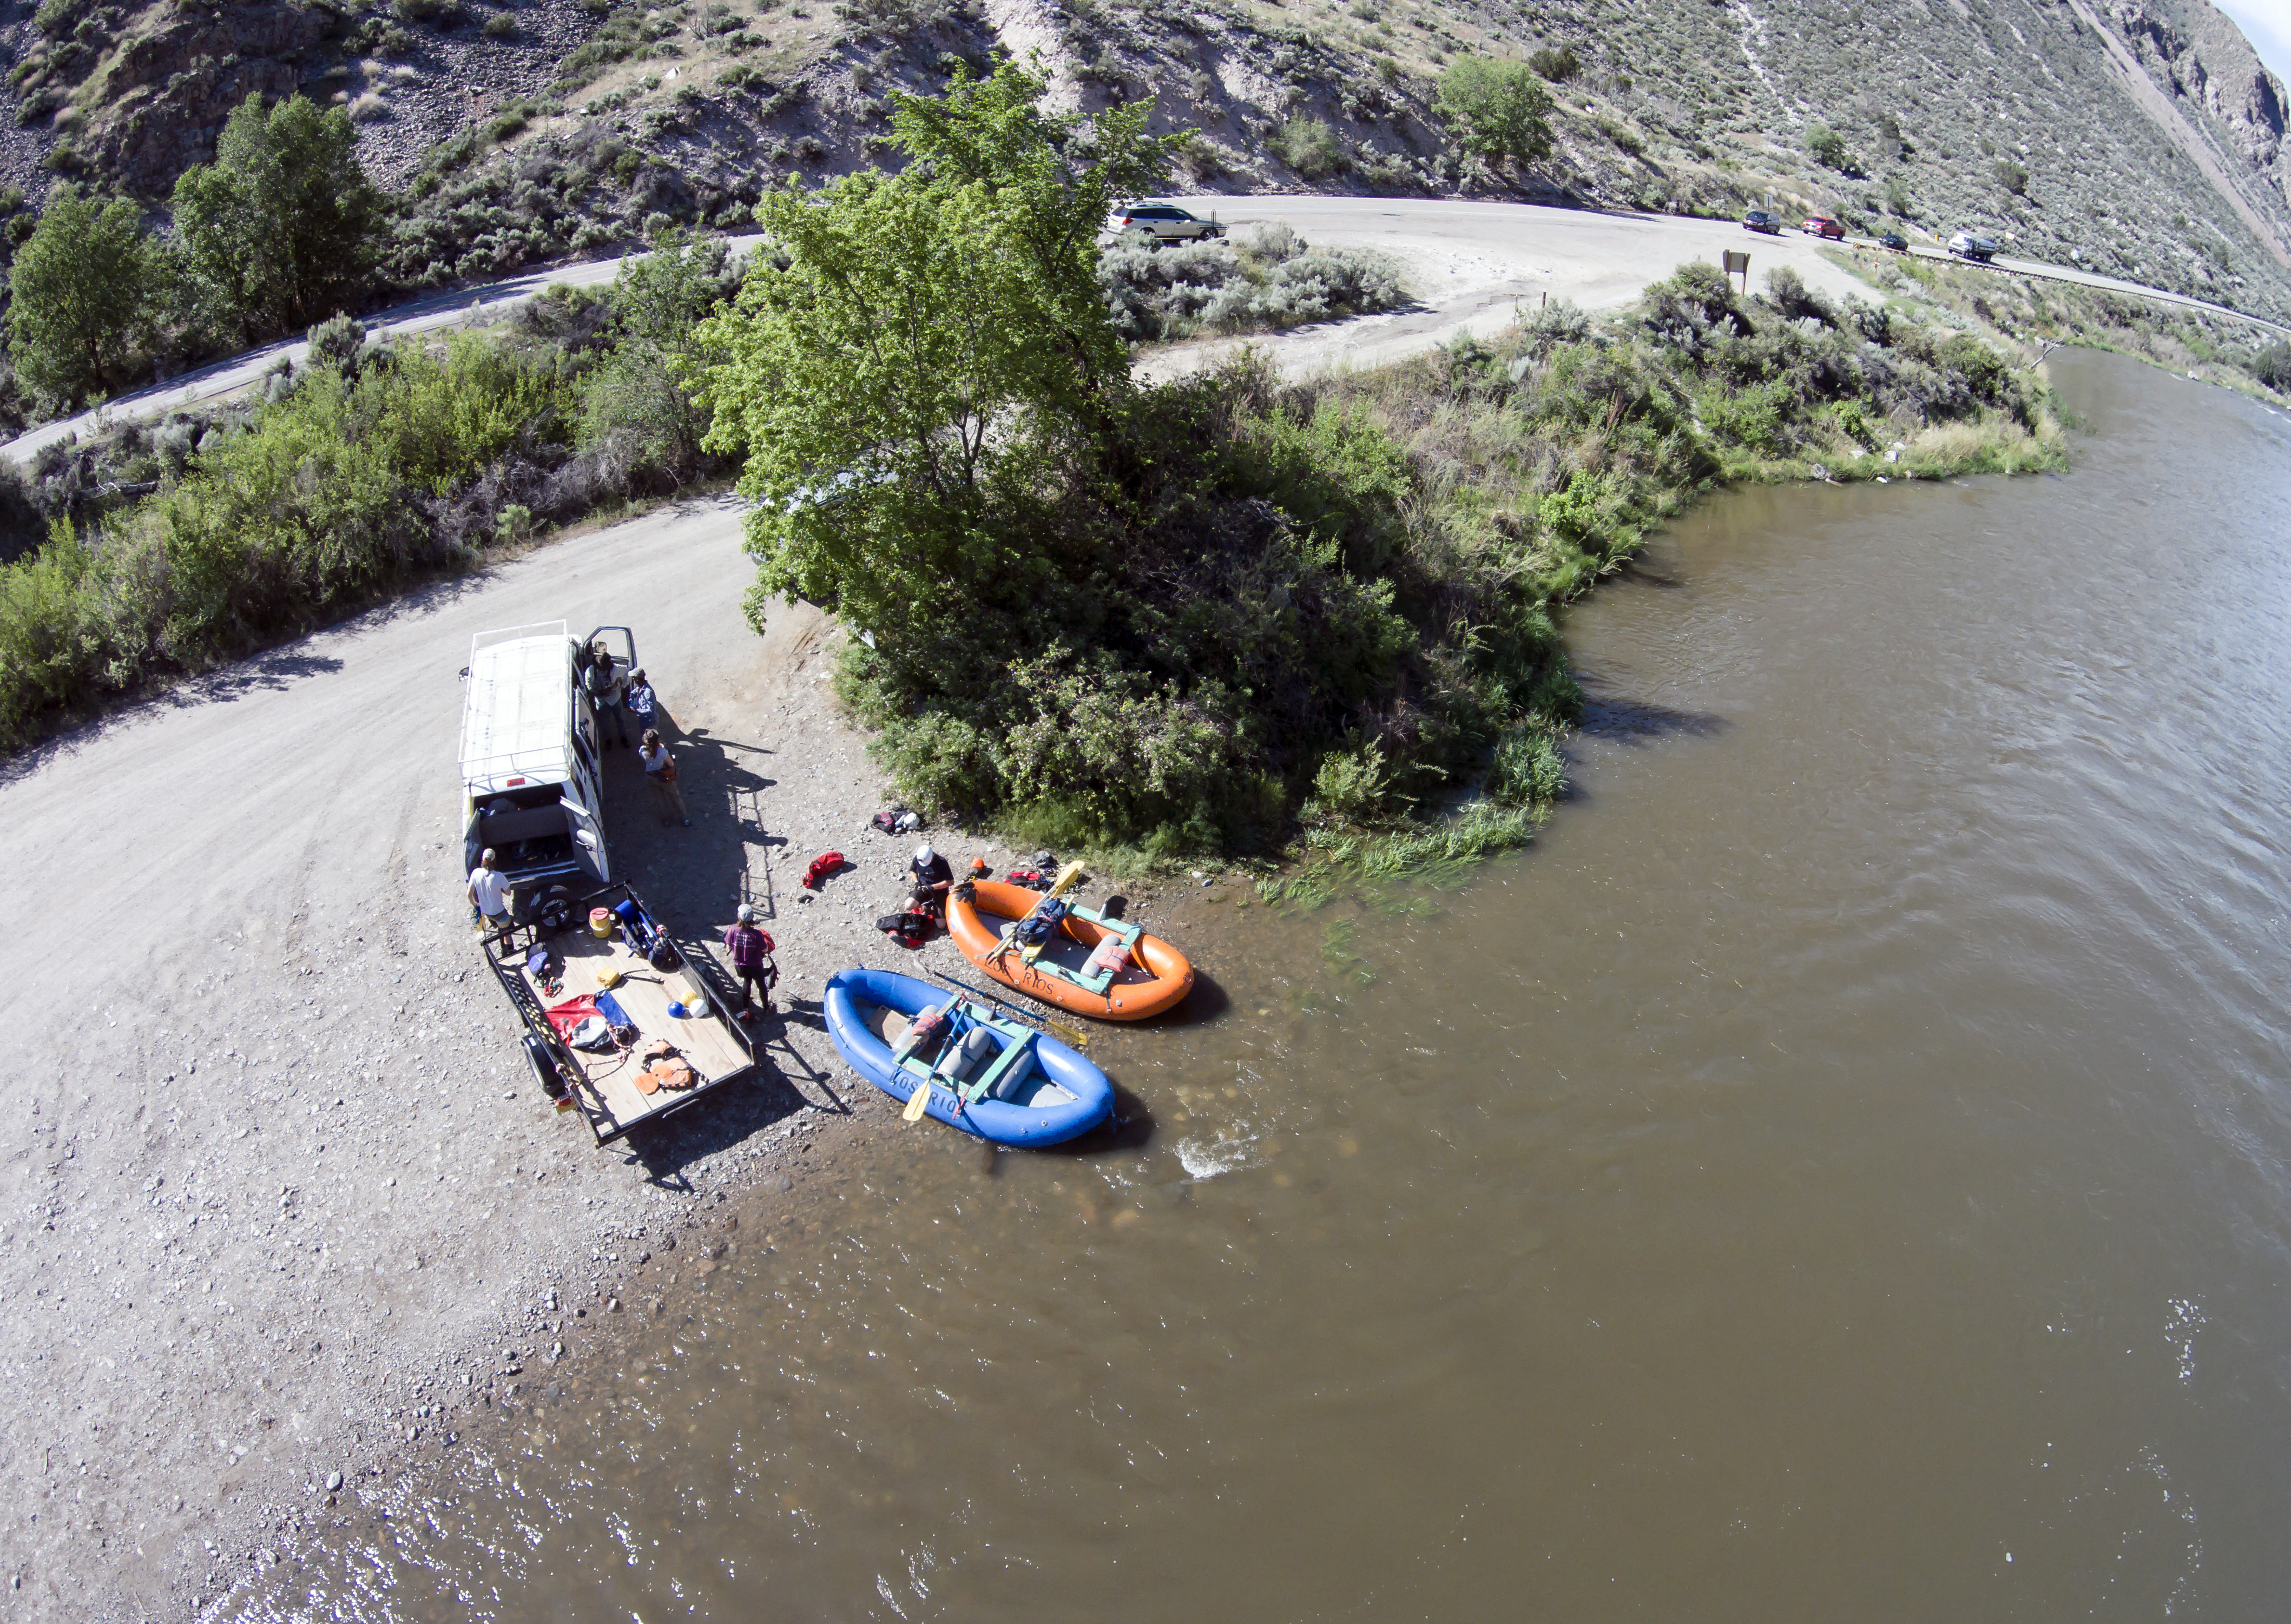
(1738, 263)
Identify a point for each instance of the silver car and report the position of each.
(1167, 222)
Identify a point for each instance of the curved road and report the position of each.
(1468, 264)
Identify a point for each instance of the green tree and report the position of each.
(639, 390)
(280, 230)
(1497, 110)
(918, 358)
(1827, 148)
(83, 293)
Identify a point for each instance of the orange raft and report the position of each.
(1156, 977)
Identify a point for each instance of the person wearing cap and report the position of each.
(660, 771)
(640, 701)
(489, 893)
(604, 681)
(934, 878)
(751, 947)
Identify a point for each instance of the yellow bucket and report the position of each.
(600, 923)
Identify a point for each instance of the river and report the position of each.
(1840, 1171)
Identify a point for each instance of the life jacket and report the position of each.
(822, 865)
(1042, 923)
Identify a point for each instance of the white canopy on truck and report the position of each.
(516, 712)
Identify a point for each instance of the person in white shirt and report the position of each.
(489, 894)
(660, 771)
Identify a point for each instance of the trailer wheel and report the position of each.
(544, 1067)
(555, 910)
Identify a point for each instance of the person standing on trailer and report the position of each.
(489, 893)
(751, 947)
(660, 770)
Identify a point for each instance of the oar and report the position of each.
(917, 1102)
(1060, 1029)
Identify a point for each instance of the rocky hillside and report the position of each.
(2140, 138)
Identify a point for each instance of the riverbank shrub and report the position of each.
(378, 467)
(1228, 612)
(1266, 279)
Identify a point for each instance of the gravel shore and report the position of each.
(285, 1214)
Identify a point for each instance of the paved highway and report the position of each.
(1468, 264)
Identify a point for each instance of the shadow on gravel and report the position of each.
(715, 1124)
(266, 674)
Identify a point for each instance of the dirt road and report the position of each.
(280, 1201)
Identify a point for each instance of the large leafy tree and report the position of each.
(916, 360)
(84, 290)
(280, 231)
(1497, 110)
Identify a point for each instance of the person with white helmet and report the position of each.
(934, 878)
(751, 947)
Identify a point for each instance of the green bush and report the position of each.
(85, 291)
(329, 496)
(283, 228)
(1558, 65)
(1310, 147)
(1499, 111)
(1528, 768)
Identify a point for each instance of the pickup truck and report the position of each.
(530, 789)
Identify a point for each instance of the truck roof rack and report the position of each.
(516, 709)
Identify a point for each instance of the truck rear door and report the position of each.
(587, 841)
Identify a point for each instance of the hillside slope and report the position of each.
(2140, 138)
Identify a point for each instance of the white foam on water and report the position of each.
(1208, 1158)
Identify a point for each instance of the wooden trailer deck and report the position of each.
(604, 1086)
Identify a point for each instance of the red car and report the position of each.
(1822, 225)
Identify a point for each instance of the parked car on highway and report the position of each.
(1822, 225)
(1966, 245)
(1167, 222)
(1894, 240)
(1758, 220)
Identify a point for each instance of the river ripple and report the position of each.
(1839, 1172)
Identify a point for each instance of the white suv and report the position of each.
(1167, 222)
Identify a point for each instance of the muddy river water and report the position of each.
(1844, 1170)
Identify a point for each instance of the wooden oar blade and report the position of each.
(917, 1102)
(1067, 875)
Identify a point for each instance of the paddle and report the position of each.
(1071, 1036)
(919, 1099)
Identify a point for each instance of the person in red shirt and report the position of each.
(751, 947)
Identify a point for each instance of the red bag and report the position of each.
(822, 865)
(570, 1014)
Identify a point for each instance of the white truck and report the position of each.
(530, 789)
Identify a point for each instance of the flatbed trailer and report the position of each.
(604, 1086)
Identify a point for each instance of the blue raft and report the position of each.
(1017, 1086)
